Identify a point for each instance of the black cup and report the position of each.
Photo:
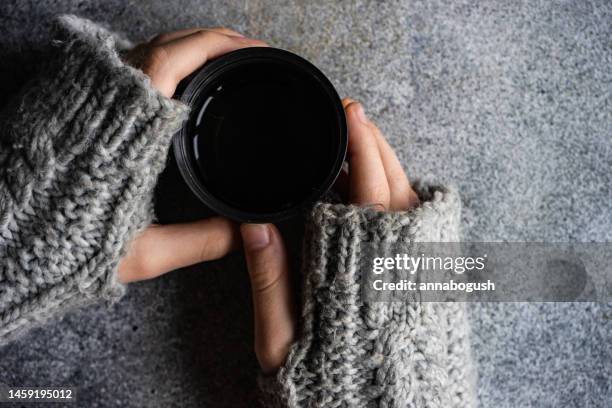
(266, 136)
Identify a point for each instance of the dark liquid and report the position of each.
(265, 137)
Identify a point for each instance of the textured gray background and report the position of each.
(511, 101)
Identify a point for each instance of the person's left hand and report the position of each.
(171, 57)
(164, 248)
(166, 60)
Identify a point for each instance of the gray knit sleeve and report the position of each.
(80, 152)
(357, 354)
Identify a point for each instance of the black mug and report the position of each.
(266, 136)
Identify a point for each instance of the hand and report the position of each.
(167, 59)
(170, 57)
(164, 248)
(374, 178)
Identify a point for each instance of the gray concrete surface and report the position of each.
(511, 101)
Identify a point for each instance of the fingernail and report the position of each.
(361, 113)
(255, 236)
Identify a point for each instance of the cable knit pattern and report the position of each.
(356, 354)
(80, 152)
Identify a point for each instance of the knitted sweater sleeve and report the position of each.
(80, 152)
(352, 353)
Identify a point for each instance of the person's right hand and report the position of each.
(170, 57)
(375, 178)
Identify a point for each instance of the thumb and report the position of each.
(163, 248)
(268, 266)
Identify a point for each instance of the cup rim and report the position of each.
(211, 71)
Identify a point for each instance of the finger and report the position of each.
(169, 63)
(268, 266)
(174, 35)
(163, 248)
(347, 101)
(367, 178)
(402, 197)
(192, 51)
